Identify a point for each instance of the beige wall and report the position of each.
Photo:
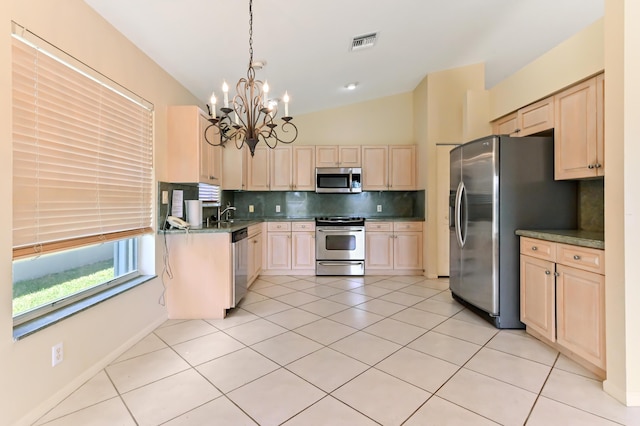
(94, 337)
(573, 60)
(383, 121)
(440, 99)
(622, 202)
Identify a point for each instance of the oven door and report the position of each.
(340, 243)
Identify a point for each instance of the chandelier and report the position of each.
(253, 113)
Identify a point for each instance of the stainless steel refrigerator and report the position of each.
(500, 184)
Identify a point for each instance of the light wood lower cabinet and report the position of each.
(254, 266)
(291, 246)
(562, 299)
(200, 286)
(393, 247)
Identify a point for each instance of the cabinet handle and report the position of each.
(576, 257)
(556, 274)
(590, 166)
(598, 165)
(534, 248)
(547, 272)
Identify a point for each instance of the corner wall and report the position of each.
(92, 338)
(439, 105)
(383, 121)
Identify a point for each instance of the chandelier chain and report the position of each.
(250, 33)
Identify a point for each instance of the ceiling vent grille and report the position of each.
(363, 42)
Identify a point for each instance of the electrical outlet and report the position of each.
(379, 208)
(57, 354)
(277, 208)
(165, 197)
(250, 208)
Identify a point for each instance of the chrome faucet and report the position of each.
(226, 211)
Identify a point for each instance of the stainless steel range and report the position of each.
(340, 246)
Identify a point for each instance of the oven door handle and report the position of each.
(341, 263)
(340, 230)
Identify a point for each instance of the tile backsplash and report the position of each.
(591, 204)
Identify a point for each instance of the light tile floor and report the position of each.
(341, 351)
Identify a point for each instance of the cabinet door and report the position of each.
(378, 250)
(279, 250)
(210, 156)
(537, 295)
(303, 250)
(576, 132)
(375, 168)
(350, 156)
(507, 125)
(234, 172)
(402, 168)
(536, 117)
(304, 168)
(255, 256)
(600, 124)
(258, 169)
(281, 173)
(580, 310)
(327, 156)
(407, 251)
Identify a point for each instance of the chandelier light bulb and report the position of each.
(225, 90)
(265, 89)
(285, 99)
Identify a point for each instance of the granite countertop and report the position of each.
(228, 227)
(243, 223)
(575, 237)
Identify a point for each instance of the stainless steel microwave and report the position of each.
(346, 180)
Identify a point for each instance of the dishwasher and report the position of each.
(240, 258)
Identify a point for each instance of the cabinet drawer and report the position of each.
(541, 249)
(379, 226)
(254, 229)
(407, 226)
(279, 226)
(584, 258)
(303, 226)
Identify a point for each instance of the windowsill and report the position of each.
(30, 327)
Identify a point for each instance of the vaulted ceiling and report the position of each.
(307, 44)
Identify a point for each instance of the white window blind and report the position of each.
(82, 156)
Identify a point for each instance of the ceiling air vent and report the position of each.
(363, 41)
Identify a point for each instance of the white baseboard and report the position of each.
(630, 399)
(67, 390)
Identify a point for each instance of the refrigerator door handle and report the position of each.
(458, 215)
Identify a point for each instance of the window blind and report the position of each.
(82, 156)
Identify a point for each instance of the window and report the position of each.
(82, 179)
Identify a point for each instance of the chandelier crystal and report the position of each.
(253, 114)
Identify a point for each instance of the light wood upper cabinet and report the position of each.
(402, 168)
(375, 168)
(350, 156)
(338, 156)
(531, 119)
(562, 298)
(507, 125)
(191, 158)
(258, 168)
(389, 168)
(304, 172)
(579, 123)
(536, 117)
(234, 171)
(281, 172)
